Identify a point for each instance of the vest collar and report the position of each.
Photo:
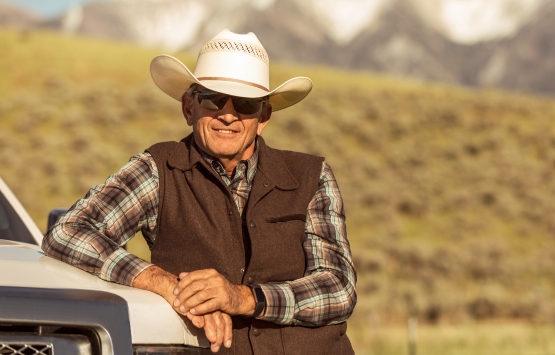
(185, 156)
(270, 164)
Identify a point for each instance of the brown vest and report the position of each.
(199, 227)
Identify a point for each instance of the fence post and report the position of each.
(412, 325)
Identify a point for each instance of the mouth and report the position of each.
(225, 130)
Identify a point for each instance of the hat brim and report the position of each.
(174, 78)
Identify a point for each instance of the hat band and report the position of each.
(234, 81)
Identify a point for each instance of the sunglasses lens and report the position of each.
(216, 101)
(212, 101)
(206, 103)
(246, 106)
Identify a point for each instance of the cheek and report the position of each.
(253, 130)
(201, 125)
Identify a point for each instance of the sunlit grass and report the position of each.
(448, 190)
(488, 338)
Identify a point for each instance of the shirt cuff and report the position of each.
(280, 303)
(123, 267)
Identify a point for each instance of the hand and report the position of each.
(217, 327)
(204, 291)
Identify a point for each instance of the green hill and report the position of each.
(449, 191)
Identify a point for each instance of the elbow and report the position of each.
(350, 305)
(47, 242)
(54, 244)
(346, 300)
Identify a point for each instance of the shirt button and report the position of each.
(242, 270)
(266, 184)
(230, 212)
(256, 332)
(250, 280)
(253, 225)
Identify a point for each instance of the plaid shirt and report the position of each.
(91, 235)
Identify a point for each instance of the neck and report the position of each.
(229, 166)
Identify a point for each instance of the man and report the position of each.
(247, 241)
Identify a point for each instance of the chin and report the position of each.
(225, 151)
(222, 153)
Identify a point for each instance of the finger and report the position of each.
(198, 321)
(210, 328)
(188, 278)
(190, 289)
(196, 293)
(204, 302)
(215, 347)
(229, 299)
(228, 330)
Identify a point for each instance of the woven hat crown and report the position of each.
(238, 46)
(234, 58)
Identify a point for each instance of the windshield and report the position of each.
(11, 226)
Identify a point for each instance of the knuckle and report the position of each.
(196, 286)
(211, 304)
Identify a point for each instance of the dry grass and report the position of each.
(448, 190)
(487, 338)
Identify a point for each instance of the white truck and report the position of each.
(48, 307)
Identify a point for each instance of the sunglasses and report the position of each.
(216, 101)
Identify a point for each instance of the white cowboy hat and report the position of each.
(232, 64)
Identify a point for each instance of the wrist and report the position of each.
(259, 301)
(157, 280)
(248, 302)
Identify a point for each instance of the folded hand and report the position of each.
(205, 291)
(217, 327)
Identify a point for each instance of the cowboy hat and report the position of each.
(232, 64)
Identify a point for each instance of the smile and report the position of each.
(225, 131)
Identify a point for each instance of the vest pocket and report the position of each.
(290, 217)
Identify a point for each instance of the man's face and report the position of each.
(225, 134)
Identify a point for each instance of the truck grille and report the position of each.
(46, 344)
(25, 349)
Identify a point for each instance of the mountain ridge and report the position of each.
(410, 38)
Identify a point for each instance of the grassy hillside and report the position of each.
(449, 191)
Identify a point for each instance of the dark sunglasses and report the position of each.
(216, 101)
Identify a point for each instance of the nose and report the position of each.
(228, 113)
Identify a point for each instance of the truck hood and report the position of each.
(152, 319)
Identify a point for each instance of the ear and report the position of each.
(187, 107)
(264, 118)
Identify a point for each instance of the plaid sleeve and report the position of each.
(326, 294)
(91, 235)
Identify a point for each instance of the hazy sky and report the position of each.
(45, 8)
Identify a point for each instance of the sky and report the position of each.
(45, 8)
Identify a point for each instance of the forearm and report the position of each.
(157, 280)
(86, 248)
(91, 234)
